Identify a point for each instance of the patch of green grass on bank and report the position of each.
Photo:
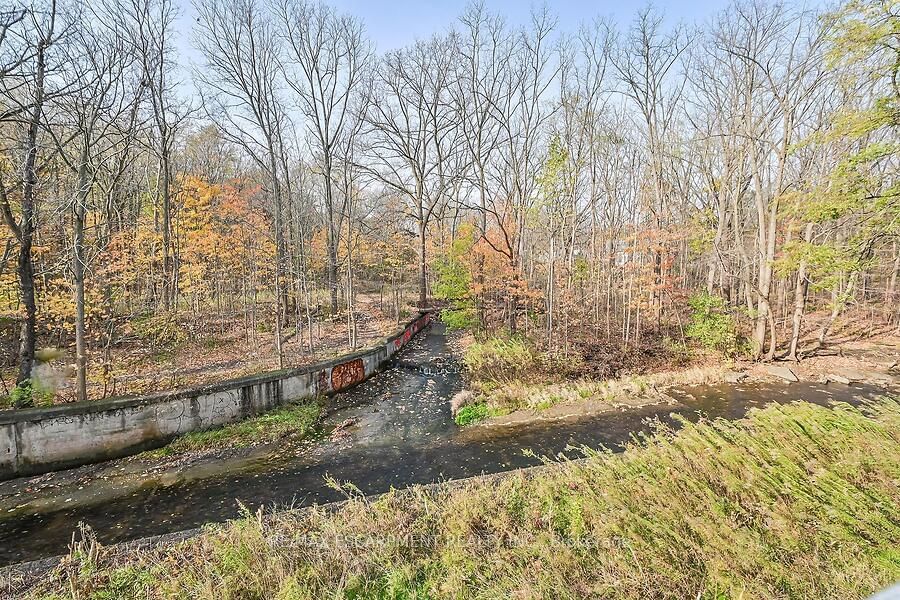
(292, 420)
(795, 501)
(477, 412)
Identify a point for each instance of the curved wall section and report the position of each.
(38, 440)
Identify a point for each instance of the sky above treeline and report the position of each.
(397, 23)
(392, 24)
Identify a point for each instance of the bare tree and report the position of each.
(83, 125)
(242, 65)
(326, 62)
(780, 52)
(523, 116)
(26, 88)
(415, 137)
(151, 25)
(483, 83)
(646, 64)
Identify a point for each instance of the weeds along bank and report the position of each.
(38, 440)
(519, 377)
(516, 374)
(533, 371)
(795, 501)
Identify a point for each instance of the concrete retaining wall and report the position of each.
(39, 440)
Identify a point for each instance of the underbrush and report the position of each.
(500, 359)
(713, 327)
(27, 394)
(458, 318)
(475, 412)
(510, 374)
(472, 413)
(633, 390)
(292, 420)
(161, 331)
(796, 501)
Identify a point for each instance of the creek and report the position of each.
(403, 434)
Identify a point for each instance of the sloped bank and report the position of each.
(702, 512)
(39, 440)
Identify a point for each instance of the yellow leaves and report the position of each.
(221, 234)
(57, 306)
(9, 293)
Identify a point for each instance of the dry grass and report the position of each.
(795, 501)
(504, 398)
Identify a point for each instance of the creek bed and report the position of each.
(403, 435)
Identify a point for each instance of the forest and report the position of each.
(620, 193)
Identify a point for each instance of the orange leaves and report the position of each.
(9, 294)
(220, 234)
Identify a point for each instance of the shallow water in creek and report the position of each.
(405, 435)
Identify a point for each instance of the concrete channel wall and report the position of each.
(38, 440)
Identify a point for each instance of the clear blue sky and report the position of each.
(396, 23)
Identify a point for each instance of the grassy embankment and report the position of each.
(795, 501)
(294, 421)
(508, 375)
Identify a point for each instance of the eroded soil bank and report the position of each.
(391, 431)
(872, 362)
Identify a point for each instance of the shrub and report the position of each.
(472, 414)
(453, 282)
(711, 325)
(499, 359)
(159, 330)
(453, 279)
(29, 393)
(458, 318)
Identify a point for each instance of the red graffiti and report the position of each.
(346, 374)
(412, 329)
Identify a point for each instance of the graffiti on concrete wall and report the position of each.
(116, 429)
(348, 373)
(414, 328)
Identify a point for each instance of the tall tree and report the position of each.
(415, 137)
(242, 53)
(26, 88)
(326, 62)
(83, 125)
(151, 25)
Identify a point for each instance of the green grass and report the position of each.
(292, 420)
(798, 501)
(472, 413)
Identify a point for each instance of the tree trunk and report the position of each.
(332, 235)
(279, 251)
(800, 293)
(423, 281)
(165, 204)
(78, 268)
(28, 333)
(891, 295)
